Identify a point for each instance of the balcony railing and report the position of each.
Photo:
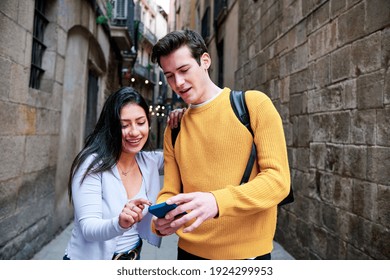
(146, 34)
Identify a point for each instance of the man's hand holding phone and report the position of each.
(197, 206)
(161, 223)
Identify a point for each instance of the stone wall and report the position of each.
(34, 165)
(325, 64)
(28, 135)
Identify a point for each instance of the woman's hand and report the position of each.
(174, 117)
(132, 212)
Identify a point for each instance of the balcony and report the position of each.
(121, 37)
(122, 24)
(145, 34)
(147, 73)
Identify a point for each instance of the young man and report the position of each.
(224, 220)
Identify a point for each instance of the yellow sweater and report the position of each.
(210, 155)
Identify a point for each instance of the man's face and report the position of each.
(185, 76)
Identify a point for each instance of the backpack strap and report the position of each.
(174, 132)
(237, 100)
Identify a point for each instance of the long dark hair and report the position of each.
(106, 139)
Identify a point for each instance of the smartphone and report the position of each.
(161, 209)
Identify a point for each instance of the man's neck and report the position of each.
(215, 91)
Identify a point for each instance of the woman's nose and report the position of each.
(132, 130)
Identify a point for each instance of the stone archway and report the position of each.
(78, 62)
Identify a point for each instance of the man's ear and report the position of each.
(205, 60)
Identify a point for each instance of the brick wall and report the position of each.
(325, 64)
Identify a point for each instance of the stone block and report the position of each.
(318, 244)
(341, 128)
(354, 253)
(303, 233)
(383, 205)
(355, 162)
(26, 14)
(321, 127)
(323, 41)
(380, 242)
(336, 248)
(37, 153)
(349, 94)
(350, 26)
(314, 101)
(9, 8)
(332, 98)
(334, 158)
(366, 54)
(363, 126)
(359, 234)
(317, 155)
(301, 81)
(326, 190)
(321, 72)
(377, 15)
(330, 218)
(8, 197)
(369, 89)
(386, 48)
(303, 131)
(13, 40)
(311, 5)
(342, 194)
(5, 78)
(378, 159)
(337, 7)
(19, 89)
(12, 153)
(47, 121)
(386, 97)
(365, 199)
(341, 64)
(383, 124)
(318, 17)
(314, 207)
(292, 15)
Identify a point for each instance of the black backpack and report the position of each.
(237, 101)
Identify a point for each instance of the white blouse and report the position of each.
(98, 202)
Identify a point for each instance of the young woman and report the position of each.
(113, 181)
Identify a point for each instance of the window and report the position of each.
(38, 47)
(206, 24)
(93, 89)
(120, 9)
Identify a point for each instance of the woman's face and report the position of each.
(135, 128)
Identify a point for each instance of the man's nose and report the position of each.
(179, 80)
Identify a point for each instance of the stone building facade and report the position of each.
(325, 65)
(59, 60)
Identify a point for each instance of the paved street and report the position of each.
(55, 249)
